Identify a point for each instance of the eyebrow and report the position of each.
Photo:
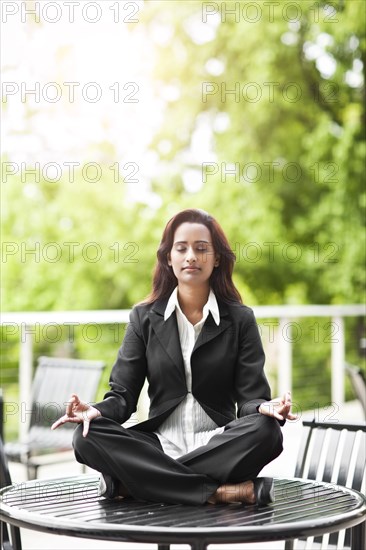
(185, 242)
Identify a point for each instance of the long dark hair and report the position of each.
(164, 280)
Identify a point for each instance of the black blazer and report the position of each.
(227, 366)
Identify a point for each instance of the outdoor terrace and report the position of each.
(282, 324)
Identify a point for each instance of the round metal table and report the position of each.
(70, 506)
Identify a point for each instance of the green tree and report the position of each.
(276, 96)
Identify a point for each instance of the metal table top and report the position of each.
(70, 506)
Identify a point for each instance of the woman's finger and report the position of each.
(64, 419)
(86, 428)
(287, 399)
(70, 404)
(58, 422)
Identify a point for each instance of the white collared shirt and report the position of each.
(188, 426)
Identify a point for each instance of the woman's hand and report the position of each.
(279, 408)
(79, 412)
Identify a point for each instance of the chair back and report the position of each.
(55, 380)
(358, 383)
(334, 453)
(10, 538)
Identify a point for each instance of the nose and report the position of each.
(190, 256)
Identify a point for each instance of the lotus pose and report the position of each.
(212, 425)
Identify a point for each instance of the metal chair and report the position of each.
(10, 536)
(358, 382)
(55, 380)
(334, 453)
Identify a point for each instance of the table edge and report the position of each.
(153, 534)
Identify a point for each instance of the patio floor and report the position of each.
(283, 466)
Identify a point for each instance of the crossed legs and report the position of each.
(138, 461)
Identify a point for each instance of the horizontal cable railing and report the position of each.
(23, 325)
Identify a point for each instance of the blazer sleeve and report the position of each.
(251, 383)
(127, 376)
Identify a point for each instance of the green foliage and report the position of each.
(293, 211)
(308, 154)
(300, 165)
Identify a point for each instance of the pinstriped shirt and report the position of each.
(188, 426)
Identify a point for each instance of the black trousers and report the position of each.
(138, 461)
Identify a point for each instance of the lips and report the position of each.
(191, 268)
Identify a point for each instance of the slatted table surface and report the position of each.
(70, 506)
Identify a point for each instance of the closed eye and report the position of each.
(198, 249)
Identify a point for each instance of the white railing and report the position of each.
(25, 324)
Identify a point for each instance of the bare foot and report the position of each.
(234, 492)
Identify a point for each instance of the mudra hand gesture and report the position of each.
(279, 408)
(79, 412)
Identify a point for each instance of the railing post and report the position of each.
(285, 357)
(2, 415)
(25, 379)
(337, 361)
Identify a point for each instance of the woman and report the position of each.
(212, 425)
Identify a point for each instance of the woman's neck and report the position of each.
(192, 300)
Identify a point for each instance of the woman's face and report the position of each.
(192, 256)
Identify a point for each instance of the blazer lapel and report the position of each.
(167, 333)
(210, 330)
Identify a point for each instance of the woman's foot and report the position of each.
(234, 492)
(111, 488)
(260, 492)
(263, 490)
(107, 486)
